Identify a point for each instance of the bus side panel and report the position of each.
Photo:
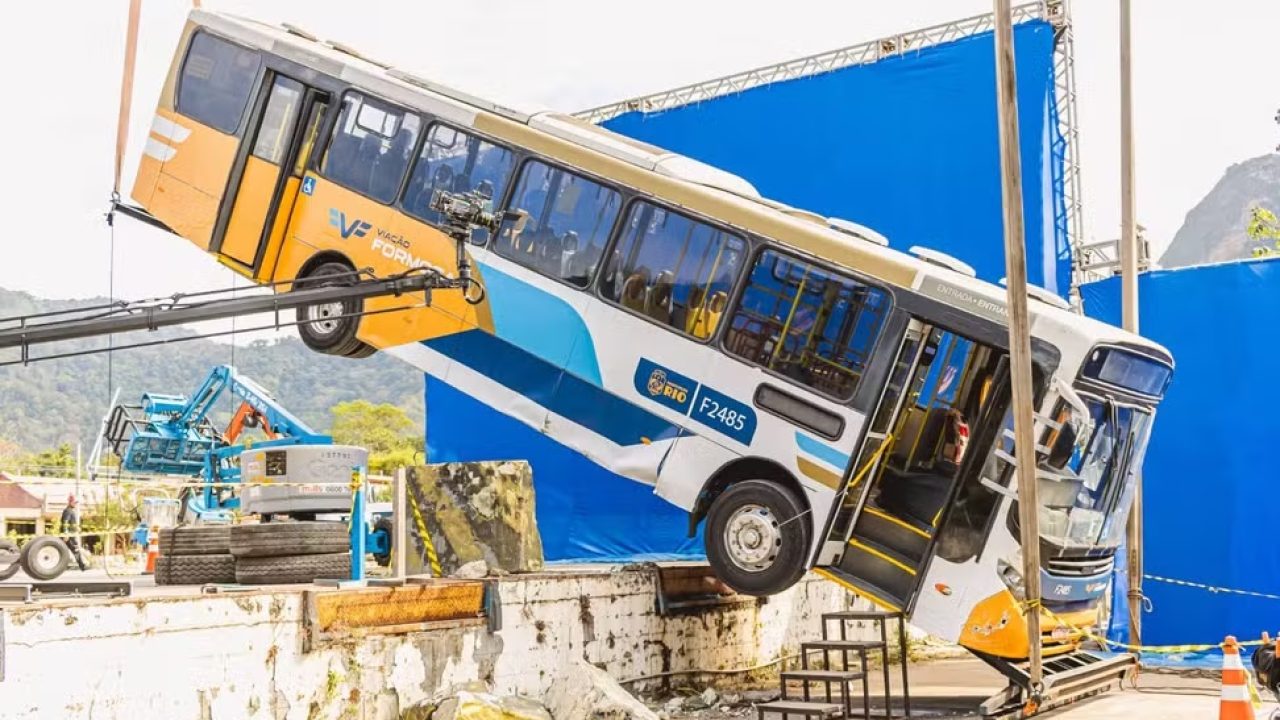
(195, 162)
(964, 600)
(377, 237)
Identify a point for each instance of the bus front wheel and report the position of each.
(330, 328)
(757, 537)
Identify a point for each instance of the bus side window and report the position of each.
(370, 147)
(673, 269)
(807, 324)
(455, 161)
(216, 80)
(569, 221)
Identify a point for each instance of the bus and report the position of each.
(812, 398)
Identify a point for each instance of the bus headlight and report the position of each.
(1010, 572)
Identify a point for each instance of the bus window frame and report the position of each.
(624, 195)
(518, 158)
(735, 286)
(794, 254)
(254, 90)
(331, 125)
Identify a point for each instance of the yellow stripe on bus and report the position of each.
(899, 522)
(857, 590)
(872, 551)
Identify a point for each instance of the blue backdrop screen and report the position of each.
(1210, 487)
(907, 146)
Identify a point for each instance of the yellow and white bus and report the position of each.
(813, 398)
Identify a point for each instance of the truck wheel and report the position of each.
(289, 538)
(45, 557)
(292, 568)
(196, 540)
(330, 328)
(9, 549)
(757, 537)
(195, 569)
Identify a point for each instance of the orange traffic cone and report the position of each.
(153, 551)
(1235, 704)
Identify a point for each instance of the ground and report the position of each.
(954, 688)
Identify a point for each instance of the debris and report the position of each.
(673, 705)
(478, 511)
(584, 692)
(485, 706)
(710, 696)
(473, 570)
(731, 699)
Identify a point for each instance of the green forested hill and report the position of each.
(45, 403)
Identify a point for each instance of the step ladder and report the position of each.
(1067, 678)
(830, 666)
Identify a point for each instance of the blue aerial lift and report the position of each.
(174, 435)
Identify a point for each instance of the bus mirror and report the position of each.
(1071, 397)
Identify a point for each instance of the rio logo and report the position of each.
(659, 385)
(358, 228)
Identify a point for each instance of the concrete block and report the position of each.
(583, 691)
(478, 511)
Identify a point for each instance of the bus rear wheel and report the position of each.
(757, 537)
(330, 328)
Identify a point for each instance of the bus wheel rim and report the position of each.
(323, 319)
(753, 538)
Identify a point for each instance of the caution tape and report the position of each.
(159, 482)
(432, 559)
(1212, 588)
(83, 533)
(1153, 649)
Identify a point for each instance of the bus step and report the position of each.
(879, 566)
(879, 596)
(904, 537)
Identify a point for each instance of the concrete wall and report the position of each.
(228, 657)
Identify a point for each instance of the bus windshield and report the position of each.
(1085, 494)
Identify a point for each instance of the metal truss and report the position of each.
(1067, 218)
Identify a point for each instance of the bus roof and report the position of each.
(703, 188)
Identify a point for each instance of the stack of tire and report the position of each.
(195, 555)
(290, 552)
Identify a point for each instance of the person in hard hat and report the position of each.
(71, 528)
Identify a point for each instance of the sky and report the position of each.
(1206, 94)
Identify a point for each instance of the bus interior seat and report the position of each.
(571, 256)
(658, 303)
(339, 158)
(360, 173)
(389, 167)
(635, 290)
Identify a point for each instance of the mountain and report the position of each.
(1214, 230)
(49, 402)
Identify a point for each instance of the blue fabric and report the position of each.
(584, 511)
(907, 146)
(1210, 487)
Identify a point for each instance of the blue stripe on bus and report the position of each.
(563, 393)
(541, 323)
(826, 453)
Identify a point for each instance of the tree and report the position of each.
(56, 462)
(392, 438)
(1264, 227)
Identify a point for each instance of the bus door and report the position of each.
(906, 473)
(267, 176)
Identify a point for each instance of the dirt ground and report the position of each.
(954, 688)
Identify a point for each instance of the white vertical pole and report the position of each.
(400, 524)
(1019, 330)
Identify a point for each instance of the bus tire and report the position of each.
(750, 544)
(330, 328)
